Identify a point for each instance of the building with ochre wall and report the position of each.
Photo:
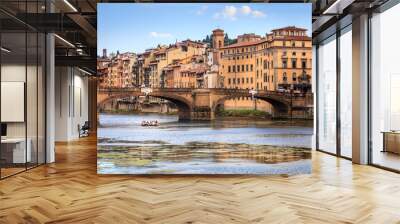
(279, 61)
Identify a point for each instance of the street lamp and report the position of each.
(146, 90)
(253, 92)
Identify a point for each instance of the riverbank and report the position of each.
(228, 115)
(243, 113)
(135, 112)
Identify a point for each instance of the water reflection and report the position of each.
(220, 147)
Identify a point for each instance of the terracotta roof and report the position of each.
(218, 30)
(161, 51)
(289, 28)
(249, 35)
(171, 66)
(292, 38)
(195, 70)
(186, 42)
(103, 60)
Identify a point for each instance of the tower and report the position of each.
(218, 38)
(104, 53)
(218, 42)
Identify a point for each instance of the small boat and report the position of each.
(150, 123)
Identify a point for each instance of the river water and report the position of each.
(224, 146)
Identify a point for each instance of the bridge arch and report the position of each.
(279, 106)
(183, 105)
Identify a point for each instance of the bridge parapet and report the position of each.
(200, 104)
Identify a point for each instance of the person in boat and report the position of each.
(150, 123)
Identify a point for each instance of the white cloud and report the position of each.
(258, 14)
(246, 10)
(229, 12)
(232, 13)
(202, 10)
(160, 35)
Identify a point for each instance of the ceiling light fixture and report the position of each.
(70, 5)
(64, 40)
(86, 72)
(337, 7)
(5, 50)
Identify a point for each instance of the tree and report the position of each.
(226, 39)
(208, 39)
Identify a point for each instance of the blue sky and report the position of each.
(135, 27)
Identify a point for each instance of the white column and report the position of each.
(360, 90)
(50, 99)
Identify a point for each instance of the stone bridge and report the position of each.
(201, 104)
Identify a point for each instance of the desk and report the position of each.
(391, 141)
(15, 148)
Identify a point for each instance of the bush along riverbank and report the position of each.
(243, 113)
(125, 111)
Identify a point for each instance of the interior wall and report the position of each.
(71, 102)
(14, 73)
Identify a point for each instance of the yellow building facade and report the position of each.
(279, 61)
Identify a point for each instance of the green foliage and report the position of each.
(228, 41)
(242, 113)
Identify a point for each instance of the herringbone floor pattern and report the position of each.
(70, 191)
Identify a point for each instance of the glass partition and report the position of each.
(13, 114)
(31, 97)
(346, 92)
(22, 77)
(326, 101)
(385, 89)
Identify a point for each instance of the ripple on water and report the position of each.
(231, 147)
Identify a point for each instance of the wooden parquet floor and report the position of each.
(70, 191)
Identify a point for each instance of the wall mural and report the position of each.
(204, 88)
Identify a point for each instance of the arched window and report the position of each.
(219, 44)
(294, 77)
(284, 77)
